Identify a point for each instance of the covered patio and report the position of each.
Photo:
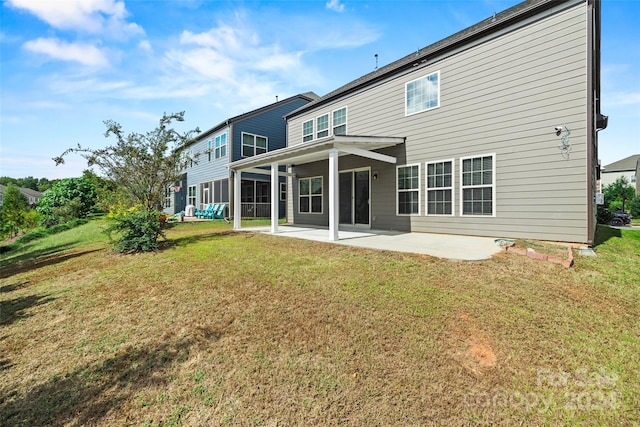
(331, 149)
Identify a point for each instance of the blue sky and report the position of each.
(68, 65)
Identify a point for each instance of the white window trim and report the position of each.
(328, 129)
(312, 130)
(311, 195)
(215, 149)
(346, 120)
(255, 138)
(168, 197)
(195, 194)
(406, 85)
(493, 186)
(283, 191)
(452, 188)
(419, 189)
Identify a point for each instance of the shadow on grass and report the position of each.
(604, 233)
(38, 259)
(88, 393)
(12, 287)
(195, 238)
(15, 309)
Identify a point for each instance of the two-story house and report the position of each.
(489, 132)
(32, 195)
(206, 180)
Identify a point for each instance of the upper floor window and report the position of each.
(221, 146)
(440, 188)
(422, 94)
(478, 185)
(252, 145)
(307, 131)
(322, 124)
(340, 121)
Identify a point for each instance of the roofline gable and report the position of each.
(483, 28)
(307, 96)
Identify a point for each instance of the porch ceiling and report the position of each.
(312, 151)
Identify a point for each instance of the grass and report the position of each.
(224, 328)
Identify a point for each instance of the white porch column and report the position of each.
(237, 200)
(334, 195)
(275, 197)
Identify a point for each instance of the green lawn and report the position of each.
(225, 328)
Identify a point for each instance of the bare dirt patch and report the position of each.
(471, 345)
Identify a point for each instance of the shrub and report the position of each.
(34, 235)
(68, 199)
(138, 231)
(634, 207)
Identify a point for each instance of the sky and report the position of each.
(68, 65)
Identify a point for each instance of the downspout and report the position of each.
(593, 95)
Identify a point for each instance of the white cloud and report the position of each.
(91, 16)
(83, 53)
(85, 88)
(618, 99)
(335, 5)
(234, 58)
(145, 45)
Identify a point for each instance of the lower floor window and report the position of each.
(310, 195)
(478, 185)
(167, 198)
(191, 195)
(408, 190)
(440, 188)
(477, 201)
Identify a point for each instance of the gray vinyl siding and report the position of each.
(205, 170)
(502, 95)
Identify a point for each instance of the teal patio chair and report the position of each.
(209, 213)
(219, 213)
(204, 213)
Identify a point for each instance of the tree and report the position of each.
(634, 206)
(144, 165)
(613, 194)
(68, 199)
(106, 191)
(14, 209)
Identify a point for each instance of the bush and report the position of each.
(138, 231)
(34, 235)
(634, 207)
(603, 215)
(68, 199)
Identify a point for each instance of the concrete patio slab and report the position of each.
(468, 248)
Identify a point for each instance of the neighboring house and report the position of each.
(627, 167)
(489, 132)
(207, 180)
(31, 195)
